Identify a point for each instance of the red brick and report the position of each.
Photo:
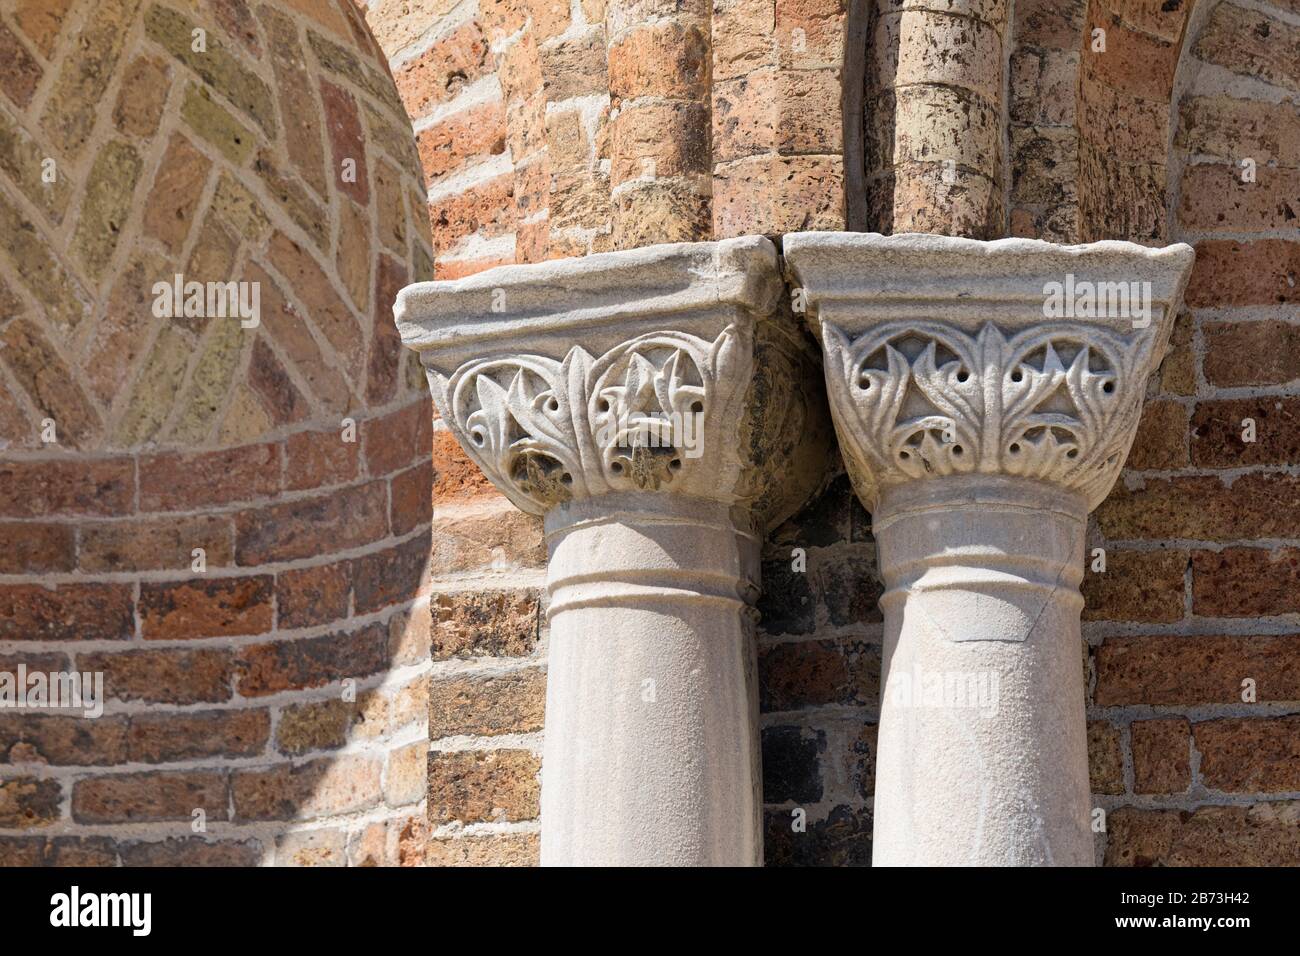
(317, 459)
(1229, 273)
(149, 797)
(1191, 670)
(343, 126)
(21, 851)
(1217, 431)
(1252, 44)
(1214, 199)
(192, 851)
(1265, 352)
(1136, 586)
(177, 188)
(28, 802)
(1133, 62)
(289, 327)
(385, 360)
(410, 499)
(1261, 835)
(486, 209)
(793, 676)
(668, 59)
(476, 132)
(325, 307)
(191, 481)
(1250, 755)
(300, 663)
(272, 384)
(38, 489)
(312, 596)
(390, 577)
(1204, 508)
(1161, 756)
(322, 787)
(1161, 440)
(399, 439)
(779, 194)
(314, 526)
(821, 23)
(447, 67)
(157, 545)
(29, 548)
(143, 95)
(66, 612)
(81, 851)
(171, 676)
(1246, 582)
(167, 737)
(54, 388)
(73, 740)
(1232, 129)
(219, 607)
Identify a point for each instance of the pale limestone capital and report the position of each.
(956, 357)
(674, 368)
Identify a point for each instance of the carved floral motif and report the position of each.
(1058, 402)
(640, 416)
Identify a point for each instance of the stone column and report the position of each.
(985, 395)
(660, 407)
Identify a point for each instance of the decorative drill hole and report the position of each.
(1014, 449)
(552, 406)
(697, 407)
(675, 464)
(1017, 376)
(963, 376)
(617, 468)
(1108, 387)
(956, 450)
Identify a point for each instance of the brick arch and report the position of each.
(1209, 521)
(1089, 130)
(224, 683)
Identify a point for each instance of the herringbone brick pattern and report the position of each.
(139, 140)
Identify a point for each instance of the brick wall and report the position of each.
(520, 101)
(278, 686)
(1204, 527)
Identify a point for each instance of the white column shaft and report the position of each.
(982, 750)
(651, 754)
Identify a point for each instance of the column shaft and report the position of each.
(982, 750)
(651, 754)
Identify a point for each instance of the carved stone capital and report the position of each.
(673, 368)
(949, 356)
(660, 407)
(985, 399)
